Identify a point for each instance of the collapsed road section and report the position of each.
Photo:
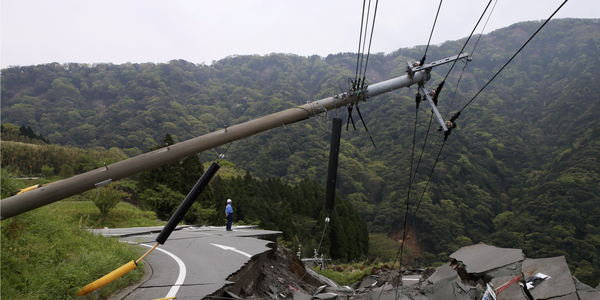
(485, 272)
(474, 272)
(248, 264)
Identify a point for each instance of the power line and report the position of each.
(472, 53)
(359, 43)
(484, 26)
(456, 115)
(466, 42)
(361, 61)
(431, 34)
(514, 55)
(411, 224)
(370, 39)
(429, 179)
(411, 178)
(363, 46)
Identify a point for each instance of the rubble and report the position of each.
(279, 274)
(560, 283)
(276, 274)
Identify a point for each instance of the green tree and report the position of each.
(178, 178)
(162, 200)
(106, 199)
(66, 171)
(47, 171)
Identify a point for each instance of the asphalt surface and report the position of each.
(194, 262)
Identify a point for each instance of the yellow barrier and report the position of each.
(27, 189)
(108, 278)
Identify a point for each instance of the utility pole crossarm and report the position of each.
(415, 67)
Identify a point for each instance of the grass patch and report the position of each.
(44, 256)
(85, 214)
(47, 253)
(346, 274)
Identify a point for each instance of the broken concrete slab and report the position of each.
(343, 290)
(321, 278)
(326, 296)
(301, 296)
(567, 297)
(443, 272)
(586, 292)
(512, 292)
(588, 295)
(411, 279)
(560, 282)
(481, 258)
(320, 289)
(472, 291)
(232, 295)
(385, 287)
(513, 269)
(380, 294)
(390, 276)
(450, 291)
(369, 281)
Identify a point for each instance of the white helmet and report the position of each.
(228, 200)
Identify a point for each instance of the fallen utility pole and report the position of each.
(65, 188)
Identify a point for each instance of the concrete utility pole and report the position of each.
(59, 190)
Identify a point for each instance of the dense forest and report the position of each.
(521, 170)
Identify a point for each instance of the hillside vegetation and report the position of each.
(519, 171)
(48, 253)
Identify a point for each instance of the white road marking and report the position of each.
(232, 249)
(182, 272)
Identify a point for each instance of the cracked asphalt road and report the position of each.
(207, 256)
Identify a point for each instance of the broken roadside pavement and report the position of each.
(279, 274)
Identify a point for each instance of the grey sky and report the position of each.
(118, 31)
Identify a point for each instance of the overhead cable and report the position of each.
(362, 51)
(484, 26)
(359, 43)
(361, 61)
(472, 53)
(371, 38)
(411, 178)
(428, 181)
(431, 34)
(546, 22)
(466, 42)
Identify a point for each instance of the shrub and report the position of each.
(106, 199)
(66, 171)
(47, 171)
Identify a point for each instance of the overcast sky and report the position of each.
(119, 31)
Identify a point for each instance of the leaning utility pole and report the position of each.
(59, 190)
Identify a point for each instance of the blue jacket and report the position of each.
(228, 209)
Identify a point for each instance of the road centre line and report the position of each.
(182, 271)
(232, 249)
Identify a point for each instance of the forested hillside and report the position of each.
(519, 171)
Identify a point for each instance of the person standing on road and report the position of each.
(229, 215)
